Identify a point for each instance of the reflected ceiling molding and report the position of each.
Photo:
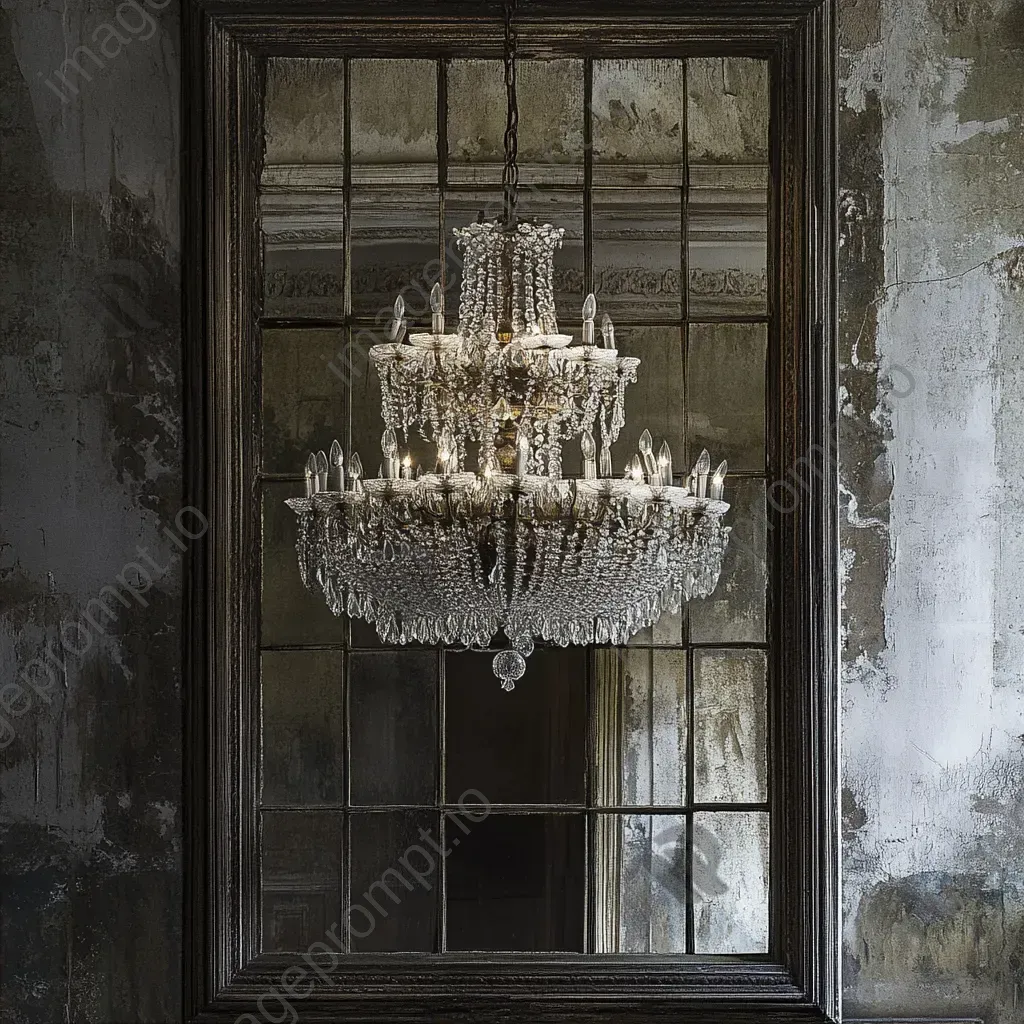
(303, 213)
(619, 282)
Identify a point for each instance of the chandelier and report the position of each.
(512, 550)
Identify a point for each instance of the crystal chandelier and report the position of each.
(456, 556)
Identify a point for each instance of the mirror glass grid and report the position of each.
(617, 800)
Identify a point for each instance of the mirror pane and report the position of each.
(730, 881)
(637, 127)
(640, 883)
(725, 386)
(395, 882)
(638, 252)
(304, 111)
(527, 746)
(517, 882)
(304, 400)
(727, 241)
(301, 881)
(303, 727)
(394, 250)
(550, 99)
(393, 726)
(394, 121)
(640, 727)
(730, 726)
(302, 214)
(728, 110)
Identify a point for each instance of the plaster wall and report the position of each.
(932, 453)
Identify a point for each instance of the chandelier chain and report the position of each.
(510, 172)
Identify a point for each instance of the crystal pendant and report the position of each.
(509, 668)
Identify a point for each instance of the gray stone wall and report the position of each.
(932, 454)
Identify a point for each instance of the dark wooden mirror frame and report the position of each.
(225, 46)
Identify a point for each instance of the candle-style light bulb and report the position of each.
(407, 467)
(606, 462)
(647, 456)
(389, 446)
(437, 309)
(607, 331)
(337, 474)
(321, 471)
(355, 472)
(635, 470)
(589, 312)
(396, 333)
(446, 452)
(522, 452)
(701, 469)
(718, 481)
(665, 465)
(589, 452)
(491, 466)
(311, 477)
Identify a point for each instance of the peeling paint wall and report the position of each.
(932, 217)
(932, 458)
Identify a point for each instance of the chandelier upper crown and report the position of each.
(508, 272)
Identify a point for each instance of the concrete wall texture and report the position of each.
(932, 455)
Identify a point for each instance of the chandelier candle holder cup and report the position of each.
(460, 557)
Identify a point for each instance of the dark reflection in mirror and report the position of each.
(527, 746)
(393, 730)
(600, 766)
(301, 877)
(395, 882)
(517, 882)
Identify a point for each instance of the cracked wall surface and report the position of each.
(932, 451)
(931, 432)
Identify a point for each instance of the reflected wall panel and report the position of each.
(730, 881)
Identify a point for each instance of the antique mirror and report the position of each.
(642, 827)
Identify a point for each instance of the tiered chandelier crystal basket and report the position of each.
(512, 552)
